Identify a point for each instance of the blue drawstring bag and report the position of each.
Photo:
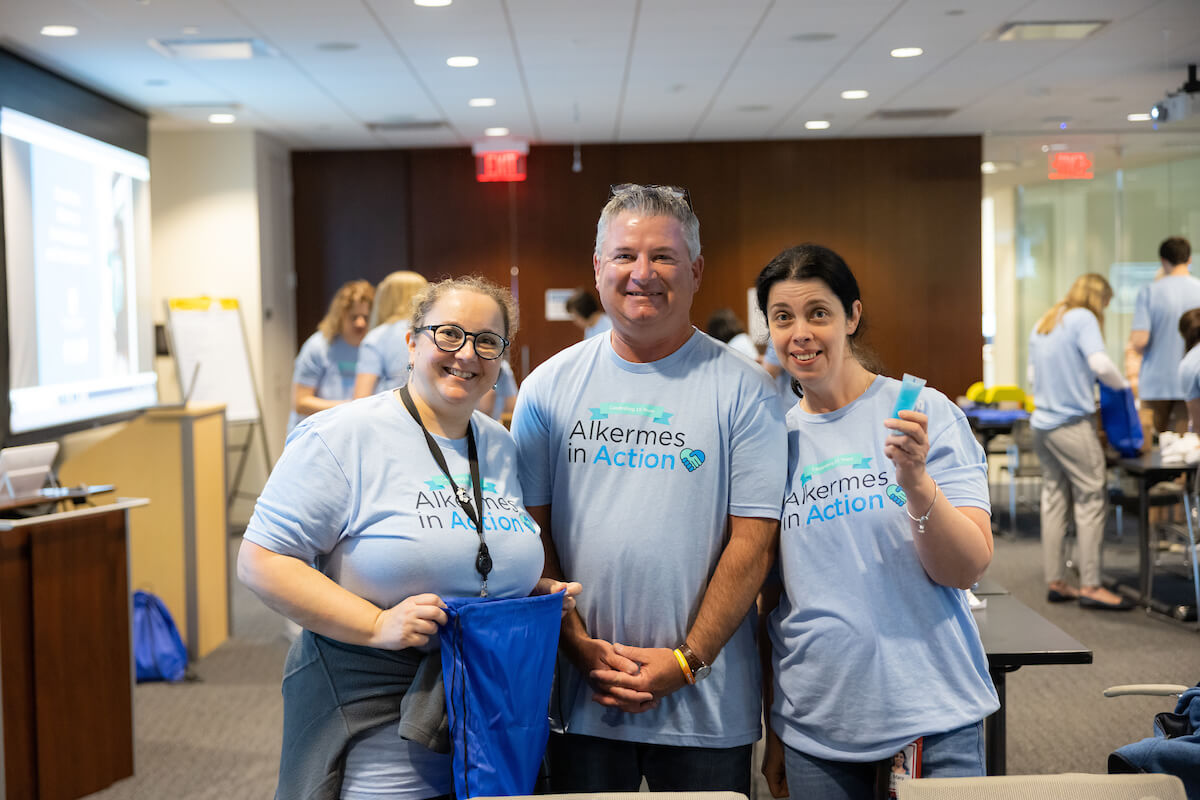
(1122, 426)
(158, 651)
(498, 666)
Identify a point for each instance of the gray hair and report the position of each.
(651, 201)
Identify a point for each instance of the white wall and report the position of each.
(221, 226)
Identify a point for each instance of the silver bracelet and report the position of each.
(924, 518)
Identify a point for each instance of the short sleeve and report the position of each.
(957, 462)
(1088, 338)
(1189, 377)
(305, 507)
(531, 431)
(370, 358)
(758, 457)
(310, 364)
(1141, 310)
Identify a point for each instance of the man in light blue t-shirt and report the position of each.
(1155, 334)
(653, 459)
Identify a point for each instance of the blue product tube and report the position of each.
(910, 388)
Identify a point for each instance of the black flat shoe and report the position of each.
(1124, 604)
(1055, 596)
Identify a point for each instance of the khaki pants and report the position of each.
(1073, 479)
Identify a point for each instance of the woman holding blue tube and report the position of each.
(1066, 357)
(885, 522)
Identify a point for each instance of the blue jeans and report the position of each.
(957, 754)
(591, 764)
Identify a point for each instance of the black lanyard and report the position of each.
(483, 559)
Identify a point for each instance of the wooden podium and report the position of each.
(66, 659)
(179, 545)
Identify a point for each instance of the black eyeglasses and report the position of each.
(451, 338)
(678, 192)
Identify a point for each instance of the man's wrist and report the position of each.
(697, 667)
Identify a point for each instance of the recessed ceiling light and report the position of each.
(59, 30)
(1045, 148)
(222, 119)
(907, 52)
(817, 124)
(987, 167)
(462, 61)
(855, 94)
(431, 3)
(1138, 117)
(1027, 31)
(481, 102)
(495, 131)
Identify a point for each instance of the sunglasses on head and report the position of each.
(678, 192)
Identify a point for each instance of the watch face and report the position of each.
(702, 672)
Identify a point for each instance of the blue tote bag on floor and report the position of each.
(498, 666)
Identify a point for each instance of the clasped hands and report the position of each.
(628, 678)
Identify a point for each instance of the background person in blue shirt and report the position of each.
(1155, 334)
(1066, 357)
(1189, 367)
(328, 361)
(383, 356)
(587, 314)
(885, 521)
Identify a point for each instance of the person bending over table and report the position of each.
(384, 496)
(1189, 367)
(1066, 356)
(885, 522)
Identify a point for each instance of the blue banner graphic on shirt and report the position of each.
(656, 413)
(438, 483)
(852, 460)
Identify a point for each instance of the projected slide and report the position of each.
(76, 213)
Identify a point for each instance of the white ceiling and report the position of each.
(634, 70)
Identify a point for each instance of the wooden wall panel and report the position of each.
(351, 221)
(904, 213)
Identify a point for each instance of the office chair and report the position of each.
(1069, 786)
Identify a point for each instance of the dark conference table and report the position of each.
(1148, 470)
(1014, 636)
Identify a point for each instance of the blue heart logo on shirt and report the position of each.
(897, 495)
(692, 459)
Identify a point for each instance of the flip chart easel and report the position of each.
(212, 361)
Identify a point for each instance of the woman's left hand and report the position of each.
(908, 447)
(550, 586)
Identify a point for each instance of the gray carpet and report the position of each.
(219, 737)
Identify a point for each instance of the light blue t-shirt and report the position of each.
(1189, 374)
(506, 387)
(1158, 308)
(1064, 386)
(328, 367)
(357, 493)
(384, 353)
(869, 653)
(602, 324)
(643, 464)
(783, 381)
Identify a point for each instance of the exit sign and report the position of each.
(1070, 167)
(500, 165)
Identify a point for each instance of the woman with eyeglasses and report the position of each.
(398, 499)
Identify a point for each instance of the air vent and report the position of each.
(213, 49)
(912, 113)
(406, 126)
(1034, 31)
